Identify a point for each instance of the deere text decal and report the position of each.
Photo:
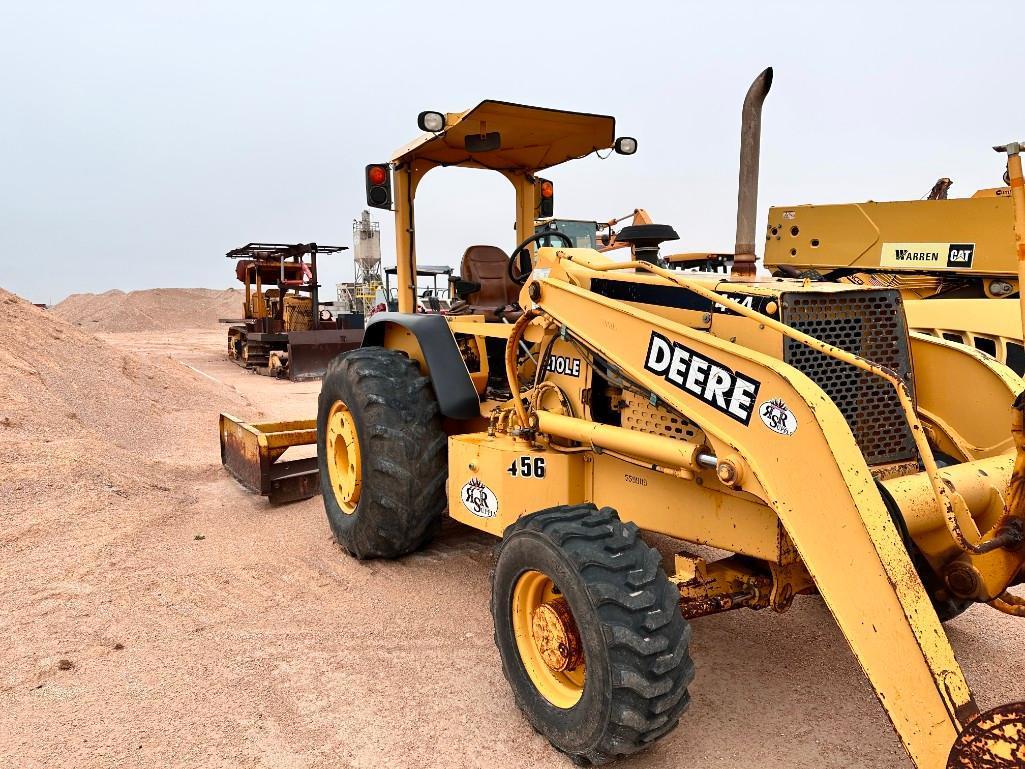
(928, 256)
(727, 390)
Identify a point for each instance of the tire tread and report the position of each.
(404, 449)
(646, 635)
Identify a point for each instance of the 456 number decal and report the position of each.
(527, 467)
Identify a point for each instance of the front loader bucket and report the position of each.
(309, 352)
(252, 453)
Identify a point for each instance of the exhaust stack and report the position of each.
(747, 190)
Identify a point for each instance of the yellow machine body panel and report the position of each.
(493, 482)
(962, 420)
(991, 326)
(978, 317)
(715, 516)
(960, 254)
(964, 234)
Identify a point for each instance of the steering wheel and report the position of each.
(520, 273)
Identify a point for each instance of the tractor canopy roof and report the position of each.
(529, 138)
(425, 270)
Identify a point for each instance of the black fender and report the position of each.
(446, 369)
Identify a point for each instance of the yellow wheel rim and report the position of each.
(344, 468)
(547, 639)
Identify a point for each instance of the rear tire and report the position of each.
(633, 637)
(402, 453)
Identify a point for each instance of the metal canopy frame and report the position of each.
(532, 139)
(277, 254)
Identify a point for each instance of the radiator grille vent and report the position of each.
(870, 324)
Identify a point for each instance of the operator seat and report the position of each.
(487, 288)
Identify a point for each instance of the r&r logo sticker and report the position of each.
(778, 417)
(479, 499)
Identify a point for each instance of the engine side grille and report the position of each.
(638, 414)
(870, 324)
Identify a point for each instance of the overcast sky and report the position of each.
(140, 141)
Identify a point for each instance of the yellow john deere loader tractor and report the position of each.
(958, 253)
(797, 425)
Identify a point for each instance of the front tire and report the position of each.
(590, 633)
(381, 452)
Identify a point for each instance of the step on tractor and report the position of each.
(796, 426)
(958, 253)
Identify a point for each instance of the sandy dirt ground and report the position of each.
(186, 623)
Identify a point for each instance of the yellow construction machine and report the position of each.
(796, 424)
(604, 238)
(959, 253)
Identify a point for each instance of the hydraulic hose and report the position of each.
(510, 364)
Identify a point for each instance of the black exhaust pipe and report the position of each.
(747, 190)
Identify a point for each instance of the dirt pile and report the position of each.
(83, 420)
(157, 309)
(61, 380)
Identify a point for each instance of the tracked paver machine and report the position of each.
(284, 331)
(798, 425)
(957, 253)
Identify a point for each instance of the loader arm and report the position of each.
(856, 556)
